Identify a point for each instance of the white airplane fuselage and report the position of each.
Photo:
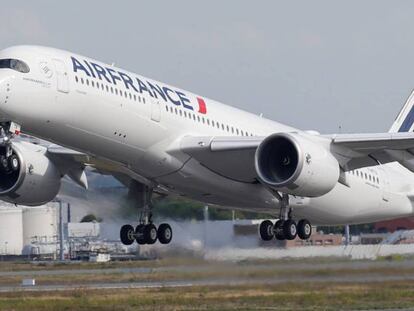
(116, 115)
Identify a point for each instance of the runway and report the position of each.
(195, 283)
(209, 274)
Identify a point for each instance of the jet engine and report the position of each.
(294, 164)
(27, 176)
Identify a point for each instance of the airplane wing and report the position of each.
(73, 164)
(361, 150)
(233, 157)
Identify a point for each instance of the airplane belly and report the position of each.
(360, 203)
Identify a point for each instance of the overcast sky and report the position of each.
(311, 64)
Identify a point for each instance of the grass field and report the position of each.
(314, 285)
(329, 296)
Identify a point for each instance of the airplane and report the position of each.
(154, 137)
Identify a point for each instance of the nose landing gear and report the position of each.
(9, 161)
(146, 232)
(285, 228)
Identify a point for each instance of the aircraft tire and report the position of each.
(150, 234)
(164, 233)
(290, 229)
(266, 230)
(127, 234)
(139, 234)
(304, 229)
(278, 230)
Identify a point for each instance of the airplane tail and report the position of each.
(405, 119)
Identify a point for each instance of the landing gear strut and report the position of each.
(146, 232)
(285, 228)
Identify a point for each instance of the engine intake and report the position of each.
(28, 177)
(296, 165)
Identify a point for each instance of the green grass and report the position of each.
(294, 294)
(328, 296)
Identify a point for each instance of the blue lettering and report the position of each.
(78, 66)
(157, 89)
(184, 100)
(127, 81)
(167, 92)
(143, 87)
(113, 75)
(90, 68)
(100, 71)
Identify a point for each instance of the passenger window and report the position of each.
(87, 82)
(76, 79)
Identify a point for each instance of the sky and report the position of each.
(331, 66)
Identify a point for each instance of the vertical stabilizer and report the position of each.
(405, 119)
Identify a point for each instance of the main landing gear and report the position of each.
(285, 228)
(146, 232)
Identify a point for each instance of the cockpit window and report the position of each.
(14, 64)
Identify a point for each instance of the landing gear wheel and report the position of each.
(164, 233)
(127, 234)
(139, 234)
(14, 163)
(278, 230)
(289, 229)
(266, 230)
(304, 229)
(150, 234)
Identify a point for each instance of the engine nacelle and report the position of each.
(294, 164)
(35, 179)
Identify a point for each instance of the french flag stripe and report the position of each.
(201, 105)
